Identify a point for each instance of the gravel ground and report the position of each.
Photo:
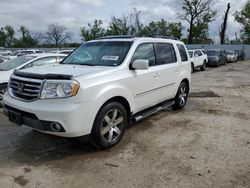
(205, 145)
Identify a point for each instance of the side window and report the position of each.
(199, 53)
(196, 53)
(44, 61)
(165, 53)
(145, 51)
(183, 53)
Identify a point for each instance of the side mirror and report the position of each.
(140, 64)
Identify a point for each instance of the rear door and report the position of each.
(167, 61)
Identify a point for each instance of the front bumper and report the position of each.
(40, 114)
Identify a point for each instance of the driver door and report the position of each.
(146, 84)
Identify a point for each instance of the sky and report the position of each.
(38, 14)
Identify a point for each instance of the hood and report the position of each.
(74, 70)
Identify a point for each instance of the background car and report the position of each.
(216, 57)
(198, 58)
(231, 56)
(67, 52)
(240, 54)
(23, 62)
(18, 53)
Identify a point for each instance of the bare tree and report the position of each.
(57, 34)
(224, 25)
(138, 25)
(196, 10)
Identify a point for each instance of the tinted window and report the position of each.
(165, 53)
(199, 53)
(145, 51)
(183, 53)
(191, 53)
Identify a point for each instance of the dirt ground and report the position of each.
(205, 145)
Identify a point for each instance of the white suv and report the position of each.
(101, 87)
(198, 58)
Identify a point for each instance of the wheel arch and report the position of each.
(124, 102)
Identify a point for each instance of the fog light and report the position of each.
(56, 127)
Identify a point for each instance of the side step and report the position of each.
(152, 110)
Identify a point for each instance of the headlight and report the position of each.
(59, 89)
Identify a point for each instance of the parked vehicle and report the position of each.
(240, 54)
(23, 62)
(231, 56)
(18, 53)
(67, 52)
(198, 59)
(216, 57)
(101, 87)
(5, 52)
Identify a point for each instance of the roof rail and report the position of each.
(166, 37)
(117, 37)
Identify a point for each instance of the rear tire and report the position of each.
(109, 125)
(203, 67)
(181, 96)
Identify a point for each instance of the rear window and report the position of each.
(165, 53)
(183, 52)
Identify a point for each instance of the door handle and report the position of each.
(157, 75)
(177, 70)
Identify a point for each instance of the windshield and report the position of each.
(100, 54)
(213, 53)
(14, 53)
(190, 54)
(14, 63)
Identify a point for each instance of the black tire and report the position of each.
(192, 67)
(106, 133)
(181, 96)
(3, 89)
(218, 64)
(203, 67)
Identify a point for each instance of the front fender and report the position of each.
(105, 94)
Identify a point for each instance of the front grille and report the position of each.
(25, 88)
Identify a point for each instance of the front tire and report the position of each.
(192, 68)
(181, 96)
(109, 125)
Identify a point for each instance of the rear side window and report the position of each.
(183, 53)
(145, 51)
(165, 53)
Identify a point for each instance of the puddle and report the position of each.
(20, 180)
(203, 94)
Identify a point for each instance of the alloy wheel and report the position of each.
(112, 125)
(2, 92)
(183, 95)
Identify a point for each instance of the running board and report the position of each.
(152, 110)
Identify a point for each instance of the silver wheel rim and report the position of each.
(183, 95)
(2, 92)
(112, 125)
